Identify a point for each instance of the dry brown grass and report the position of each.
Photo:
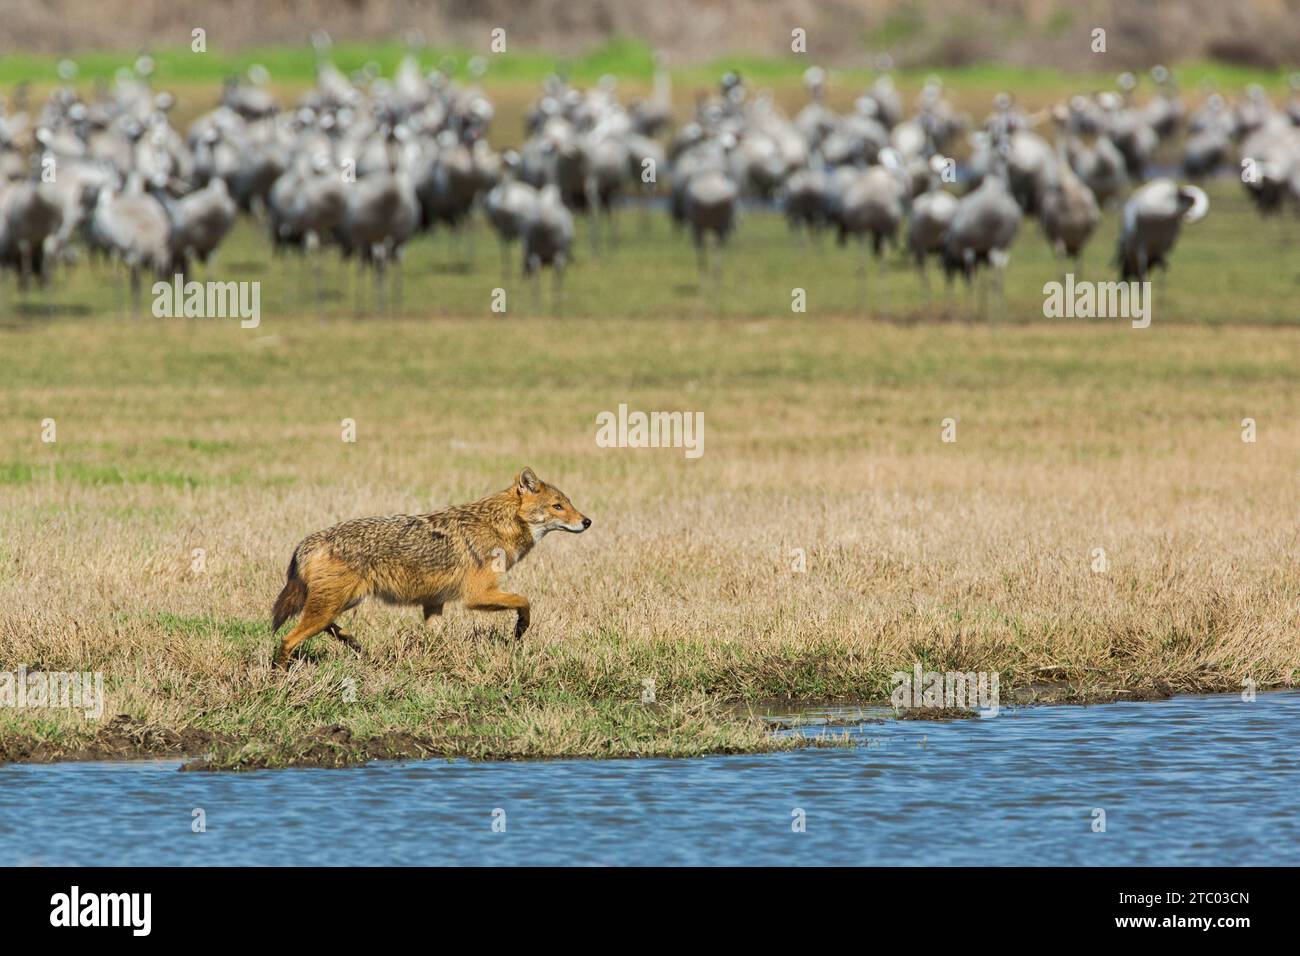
(820, 435)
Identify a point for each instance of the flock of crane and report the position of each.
(364, 163)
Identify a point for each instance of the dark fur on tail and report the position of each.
(291, 599)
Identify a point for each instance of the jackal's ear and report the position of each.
(527, 481)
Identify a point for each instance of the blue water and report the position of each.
(1193, 780)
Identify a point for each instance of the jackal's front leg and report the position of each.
(485, 595)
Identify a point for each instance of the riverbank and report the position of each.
(752, 729)
(1098, 521)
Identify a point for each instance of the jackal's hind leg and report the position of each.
(325, 601)
(432, 610)
(335, 631)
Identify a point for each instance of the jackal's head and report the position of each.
(546, 508)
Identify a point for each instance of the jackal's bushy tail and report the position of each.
(291, 599)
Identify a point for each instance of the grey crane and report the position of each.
(937, 115)
(1273, 149)
(250, 100)
(30, 217)
(651, 115)
(1100, 165)
(816, 120)
(77, 187)
(306, 204)
(200, 221)
(1153, 217)
(447, 184)
(134, 228)
(1070, 214)
(709, 206)
(984, 225)
(874, 204)
(871, 204)
(855, 139)
(1031, 169)
(646, 163)
(1204, 152)
(1164, 113)
(1131, 132)
(570, 165)
(883, 101)
(932, 214)
(510, 204)
(380, 213)
(1209, 139)
(260, 159)
(305, 208)
(548, 237)
(705, 154)
(609, 161)
(804, 200)
(1088, 151)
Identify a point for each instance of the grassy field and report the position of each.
(629, 59)
(1233, 268)
(822, 439)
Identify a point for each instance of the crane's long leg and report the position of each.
(397, 278)
(25, 265)
(882, 284)
(320, 280)
(358, 284)
(860, 278)
(559, 285)
(135, 292)
(647, 193)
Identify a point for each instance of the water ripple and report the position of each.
(1192, 780)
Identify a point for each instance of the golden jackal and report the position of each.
(457, 554)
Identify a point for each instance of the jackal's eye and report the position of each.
(557, 506)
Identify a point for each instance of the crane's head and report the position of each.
(1197, 203)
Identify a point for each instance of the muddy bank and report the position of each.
(122, 738)
(125, 738)
(1053, 692)
(331, 747)
(777, 711)
(335, 746)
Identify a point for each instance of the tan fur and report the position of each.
(457, 554)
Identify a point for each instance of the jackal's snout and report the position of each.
(572, 520)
